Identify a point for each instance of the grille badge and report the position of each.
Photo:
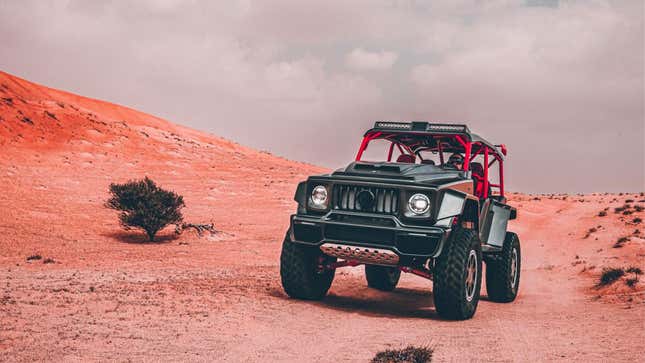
(365, 200)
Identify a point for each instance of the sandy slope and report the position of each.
(108, 297)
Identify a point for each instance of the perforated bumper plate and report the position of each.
(375, 256)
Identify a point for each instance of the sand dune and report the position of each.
(108, 297)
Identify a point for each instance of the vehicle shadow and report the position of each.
(134, 237)
(401, 303)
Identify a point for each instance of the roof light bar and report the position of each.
(393, 125)
(421, 126)
(456, 128)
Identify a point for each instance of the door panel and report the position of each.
(493, 221)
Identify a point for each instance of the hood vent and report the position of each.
(385, 168)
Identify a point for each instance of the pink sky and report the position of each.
(559, 82)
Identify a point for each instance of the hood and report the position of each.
(422, 173)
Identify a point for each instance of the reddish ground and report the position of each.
(109, 297)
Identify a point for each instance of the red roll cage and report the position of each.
(463, 142)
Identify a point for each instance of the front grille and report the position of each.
(365, 199)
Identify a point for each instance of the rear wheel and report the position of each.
(300, 271)
(382, 277)
(503, 271)
(458, 275)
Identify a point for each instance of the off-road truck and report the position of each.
(424, 213)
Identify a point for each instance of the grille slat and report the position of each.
(384, 201)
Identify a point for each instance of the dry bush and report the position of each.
(620, 242)
(146, 206)
(632, 281)
(590, 231)
(622, 209)
(610, 275)
(411, 354)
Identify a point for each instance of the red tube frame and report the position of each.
(468, 157)
(486, 184)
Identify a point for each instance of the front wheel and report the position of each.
(503, 271)
(458, 276)
(300, 272)
(381, 277)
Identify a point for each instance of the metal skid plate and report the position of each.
(368, 255)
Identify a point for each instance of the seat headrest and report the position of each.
(477, 169)
(405, 158)
(428, 162)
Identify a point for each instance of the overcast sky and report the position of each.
(559, 82)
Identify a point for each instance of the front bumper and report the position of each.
(369, 230)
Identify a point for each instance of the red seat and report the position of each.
(406, 158)
(478, 176)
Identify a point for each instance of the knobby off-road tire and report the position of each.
(503, 271)
(382, 277)
(299, 271)
(458, 276)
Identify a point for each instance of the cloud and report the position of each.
(560, 82)
(362, 60)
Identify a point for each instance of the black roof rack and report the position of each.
(421, 126)
(430, 128)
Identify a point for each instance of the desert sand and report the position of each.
(106, 296)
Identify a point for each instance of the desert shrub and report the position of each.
(51, 115)
(602, 213)
(620, 242)
(410, 354)
(637, 220)
(638, 208)
(145, 206)
(590, 231)
(34, 257)
(631, 282)
(610, 275)
(634, 270)
(622, 209)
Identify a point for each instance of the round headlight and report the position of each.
(319, 197)
(419, 204)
